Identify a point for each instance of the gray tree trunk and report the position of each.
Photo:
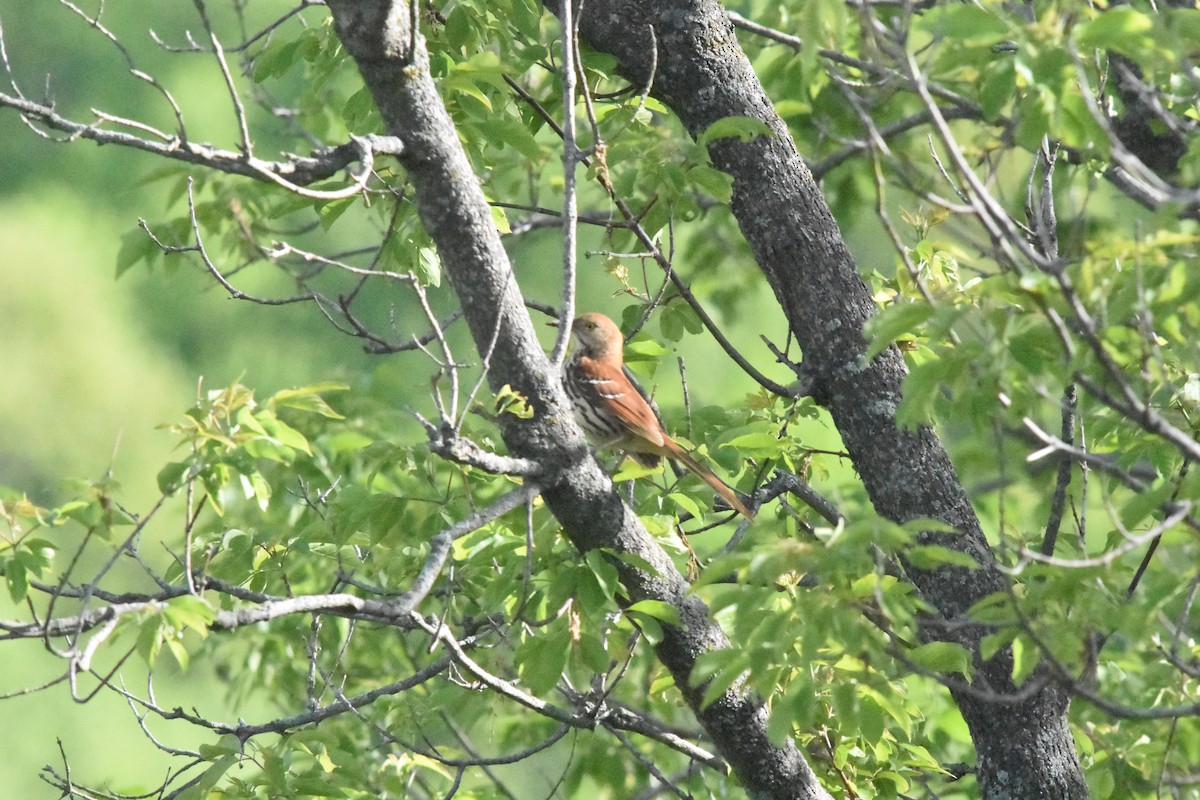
(394, 63)
(1023, 744)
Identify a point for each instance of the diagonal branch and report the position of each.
(703, 76)
(394, 63)
(293, 173)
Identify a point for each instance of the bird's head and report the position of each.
(597, 335)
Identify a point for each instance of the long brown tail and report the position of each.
(708, 476)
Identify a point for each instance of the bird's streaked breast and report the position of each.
(588, 395)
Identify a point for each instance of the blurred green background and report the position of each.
(91, 366)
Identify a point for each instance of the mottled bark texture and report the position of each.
(394, 63)
(1024, 747)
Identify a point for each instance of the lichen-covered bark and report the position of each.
(394, 64)
(1024, 748)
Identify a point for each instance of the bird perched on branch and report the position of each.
(615, 412)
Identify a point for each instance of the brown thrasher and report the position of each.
(615, 412)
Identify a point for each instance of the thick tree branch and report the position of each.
(703, 76)
(392, 58)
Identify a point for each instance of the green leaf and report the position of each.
(998, 89)
(542, 659)
(328, 211)
(515, 135)
(677, 318)
(500, 220)
(657, 609)
(208, 779)
(1102, 783)
(721, 674)
(922, 387)
(712, 182)
(1025, 658)
(1143, 504)
(509, 401)
(965, 22)
(662, 683)
(592, 652)
(792, 107)
(932, 556)
(42, 549)
(35, 561)
(929, 525)
(276, 59)
(308, 398)
(461, 86)
(135, 246)
(1189, 393)
(761, 444)
(632, 470)
(360, 111)
(149, 639)
(178, 651)
(869, 719)
(896, 321)
(1034, 116)
(604, 572)
(995, 607)
(17, 579)
(995, 642)
(428, 267)
(226, 745)
(943, 657)
(171, 476)
(636, 561)
(283, 433)
(348, 441)
(256, 487)
(1114, 29)
(641, 349)
(898, 783)
(686, 504)
(190, 611)
(743, 128)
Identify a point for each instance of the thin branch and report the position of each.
(822, 168)
(1059, 501)
(1177, 514)
(243, 731)
(95, 23)
(570, 161)
(280, 250)
(633, 223)
(449, 445)
(794, 42)
(293, 173)
(239, 110)
(648, 764)
(505, 688)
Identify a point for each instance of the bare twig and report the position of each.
(570, 160)
(293, 173)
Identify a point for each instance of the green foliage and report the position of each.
(318, 491)
(742, 128)
(22, 555)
